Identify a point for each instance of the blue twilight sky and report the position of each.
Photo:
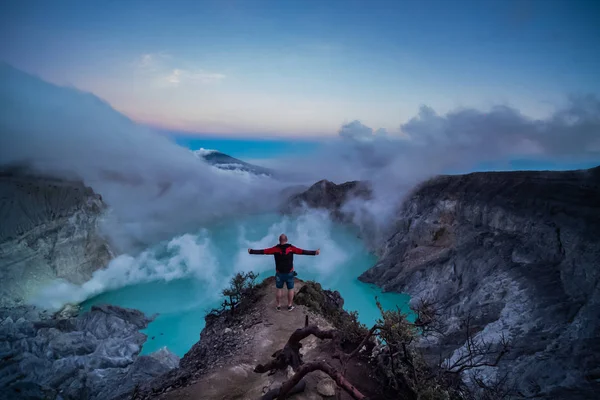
(260, 68)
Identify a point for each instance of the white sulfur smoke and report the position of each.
(460, 141)
(211, 257)
(155, 188)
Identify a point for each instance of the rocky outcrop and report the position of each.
(516, 252)
(49, 230)
(520, 253)
(328, 196)
(90, 356)
(221, 365)
(228, 163)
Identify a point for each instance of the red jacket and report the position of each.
(284, 256)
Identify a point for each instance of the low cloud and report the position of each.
(430, 144)
(355, 130)
(573, 131)
(156, 189)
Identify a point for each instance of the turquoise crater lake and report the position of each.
(181, 280)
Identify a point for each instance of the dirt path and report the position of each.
(236, 379)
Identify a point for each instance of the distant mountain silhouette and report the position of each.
(226, 162)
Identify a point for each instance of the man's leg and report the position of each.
(279, 290)
(290, 286)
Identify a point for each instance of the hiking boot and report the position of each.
(290, 308)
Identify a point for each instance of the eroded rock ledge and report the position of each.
(94, 355)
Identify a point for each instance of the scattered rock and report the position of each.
(289, 372)
(165, 357)
(326, 387)
(240, 370)
(92, 356)
(227, 330)
(68, 311)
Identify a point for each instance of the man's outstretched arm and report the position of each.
(270, 250)
(297, 250)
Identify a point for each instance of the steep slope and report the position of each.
(49, 230)
(516, 252)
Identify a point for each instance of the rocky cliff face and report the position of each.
(49, 230)
(329, 196)
(519, 252)
(68, 356)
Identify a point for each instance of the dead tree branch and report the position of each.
(477, 353)
(290, 354)
(364, 341)
(429, 318)
(337, 376)
(500, 388)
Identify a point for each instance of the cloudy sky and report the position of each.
(305, 68)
